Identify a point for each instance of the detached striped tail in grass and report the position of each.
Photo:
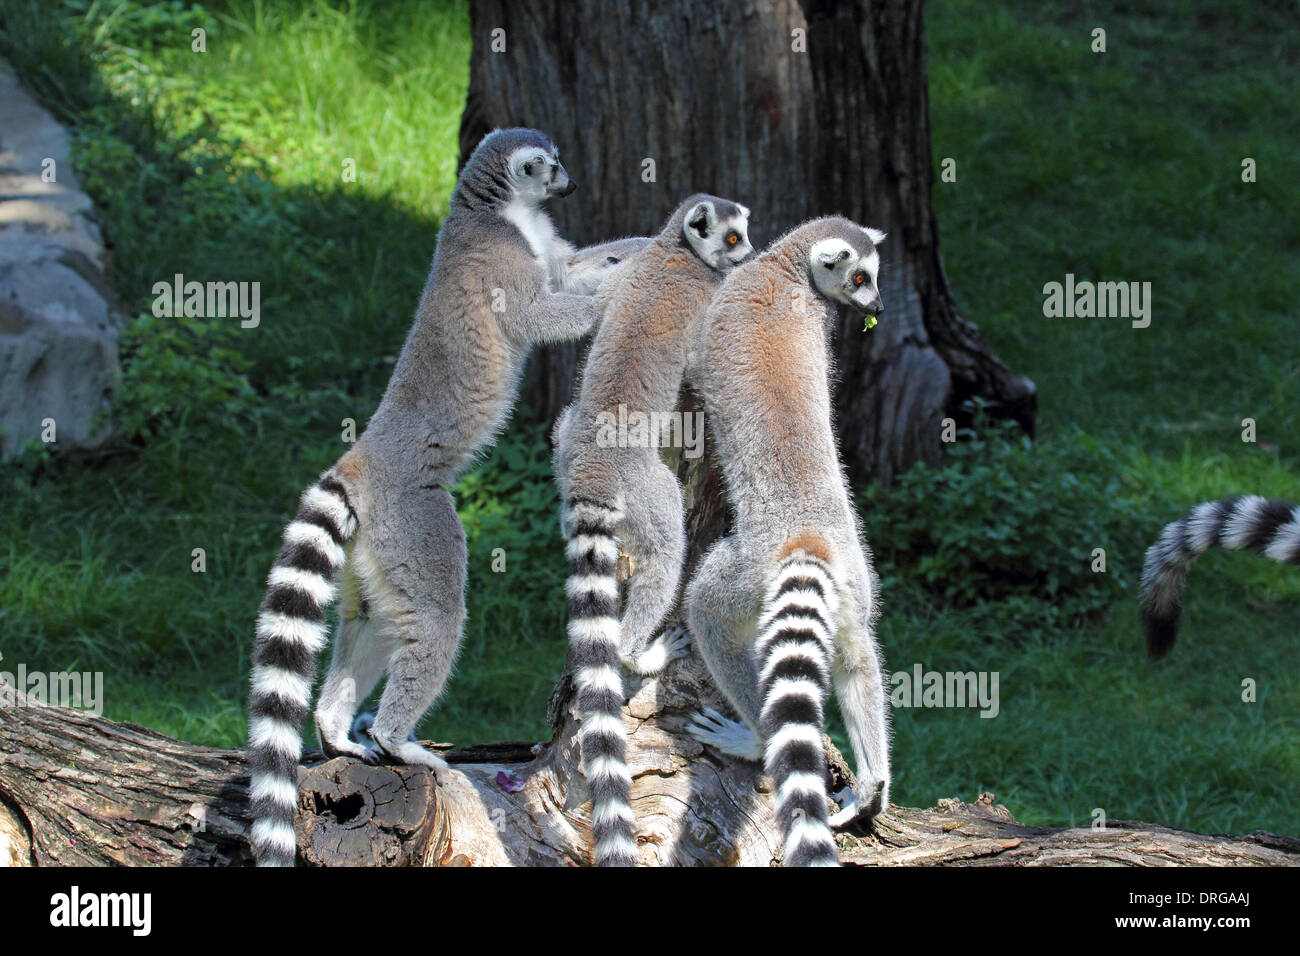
(1271, 527)
(291, 630)
(594, 634)
(793, 652)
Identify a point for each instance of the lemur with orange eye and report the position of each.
(625, 498)
(783, 607)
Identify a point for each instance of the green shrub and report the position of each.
(511, 503)
(181, 371)
(1009, 526)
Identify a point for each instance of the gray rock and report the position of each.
(58, 322)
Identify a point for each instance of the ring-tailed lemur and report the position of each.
(499, 283)
(1272, 527)
(626, 497)
(783, 607)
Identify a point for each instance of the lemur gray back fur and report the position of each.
(784, 606)
(619, 497)
(501, 281)
(649, 303)
(765, 362)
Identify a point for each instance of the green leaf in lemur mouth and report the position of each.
(870, 324)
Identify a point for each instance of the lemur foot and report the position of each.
(854, 809)
(723, 734)
(337, 742)
(416, 756)
(848, 811)
(348, 748)
(673, 644)
(360, 732)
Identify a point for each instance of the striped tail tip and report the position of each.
(1161, 634)
(594, 636)
(273, 839)
(291, 630)
(794, 657)
(1160, 600)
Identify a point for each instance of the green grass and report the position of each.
(1124, 166)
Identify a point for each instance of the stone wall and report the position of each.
(58, 326)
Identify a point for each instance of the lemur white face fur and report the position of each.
(536, 175)
(842, 275)
(721, 242)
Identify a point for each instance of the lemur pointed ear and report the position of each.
(830, 252)
(699, 217)
(875, 235)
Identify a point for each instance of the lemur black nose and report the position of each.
(567, 188)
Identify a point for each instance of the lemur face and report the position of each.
(848, 275)
(719, 233)
(536, 174)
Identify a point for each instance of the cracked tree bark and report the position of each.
(79, 790)
(797, 109)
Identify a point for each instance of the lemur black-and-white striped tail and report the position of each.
(594, 634)
(793, 652)
(291, 630)
(1249, 521)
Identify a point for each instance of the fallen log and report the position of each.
(81, 790)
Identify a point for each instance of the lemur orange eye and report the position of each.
(859, 278)
(733, 238)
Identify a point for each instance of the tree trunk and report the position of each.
(79, 790)
(796, 109)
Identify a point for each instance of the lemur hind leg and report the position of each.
(860, 690)
(723, 601)
(561, 440)
(362, 645)
(425, 568)
(652, 532)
